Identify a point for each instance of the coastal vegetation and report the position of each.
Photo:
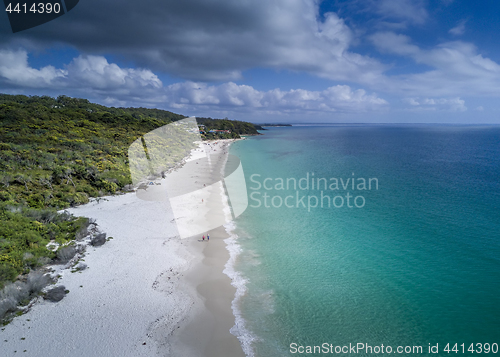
(61, 152)
(270, 124)
(236, 128)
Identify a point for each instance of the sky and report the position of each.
(281, 61)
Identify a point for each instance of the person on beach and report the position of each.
(203, 238)
(208, 237)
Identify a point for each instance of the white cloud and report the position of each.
(188, 95)
(456, 68)
(438, 104)
(214, 40)
(15, 70)
(113, 102)
(85, 75)
(459, 29)
(113, 85)
(394, 43)
(96, 72)
(219, 40)
(301, 43)
(411, 101)
(406, 10)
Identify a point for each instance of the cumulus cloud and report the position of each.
(113, 85)
(96, 72)
(442, 104)
(340, 98)
(211, 40)
(84, 75)
(456, 68)
(217, 40)
(15, 71)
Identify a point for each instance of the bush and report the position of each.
(7, 303)
(84, 229)
(5, 196)
(19, 292)
(109, 186)
(37, 281)
(36, 200)
(41, 215)
(31, 237)
(88, 189)
(11, 296)
(7, 273)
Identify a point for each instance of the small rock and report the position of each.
(128, 188)
(65, 254)
(98, 240)
(55, 294)
(81, 266)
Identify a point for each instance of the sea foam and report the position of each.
(239, 330)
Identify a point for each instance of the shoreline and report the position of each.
(208, 331)
(145, 293)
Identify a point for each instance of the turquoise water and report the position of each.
(418, 264)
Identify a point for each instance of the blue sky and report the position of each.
(292, 61)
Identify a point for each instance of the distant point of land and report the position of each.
(275, 125)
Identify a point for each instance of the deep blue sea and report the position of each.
(413, 260)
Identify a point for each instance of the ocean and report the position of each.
(369, 235)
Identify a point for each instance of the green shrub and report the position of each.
(36, 200)
(109, 186)
(7, 273)
(5, 196)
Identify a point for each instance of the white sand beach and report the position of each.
(146, 292)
